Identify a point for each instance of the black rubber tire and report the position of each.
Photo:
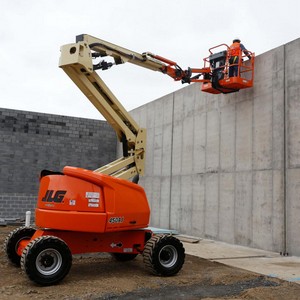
(11, 243)
(123, 256)
(46, 260)
(164, 255)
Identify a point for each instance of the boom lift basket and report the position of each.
(219, 63)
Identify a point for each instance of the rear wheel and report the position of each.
(164, 255)
(12, 241)
(46, 260)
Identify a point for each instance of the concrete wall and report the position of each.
(227, 167)
(292, 113)
(31, 142)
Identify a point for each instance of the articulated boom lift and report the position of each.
(80, 211)
(105, 210)
(214, 75)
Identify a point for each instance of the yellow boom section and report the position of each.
(76, 61)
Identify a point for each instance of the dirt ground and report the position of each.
(99, 276)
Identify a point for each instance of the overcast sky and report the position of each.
(32, 31)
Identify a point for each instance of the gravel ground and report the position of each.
(99, 276)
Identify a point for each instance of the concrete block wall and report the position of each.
(227, 167)
(31, 142)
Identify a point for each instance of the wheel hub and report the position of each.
(168, 256)
(165, 255)
(48, 262)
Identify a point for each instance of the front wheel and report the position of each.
(164, 255)
(46, 260)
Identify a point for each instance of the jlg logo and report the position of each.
(51, 197)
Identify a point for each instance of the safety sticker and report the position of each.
(72, 202)
(93, 200)
(116, 245)
(127, 250)
(92, 195)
